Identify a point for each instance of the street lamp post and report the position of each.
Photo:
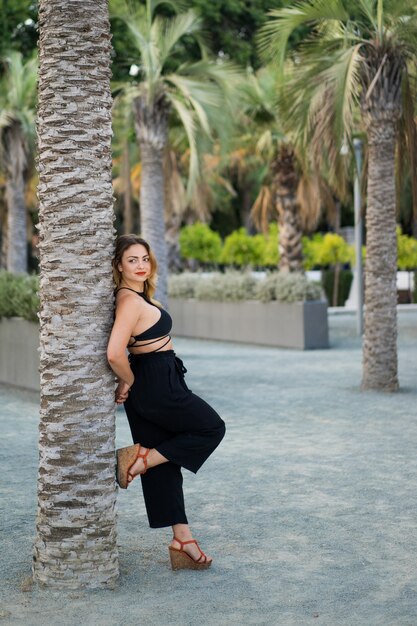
(357, 144)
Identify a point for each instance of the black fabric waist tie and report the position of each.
(180, 366)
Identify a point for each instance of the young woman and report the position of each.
(171, 426)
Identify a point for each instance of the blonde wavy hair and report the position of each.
(123, 243)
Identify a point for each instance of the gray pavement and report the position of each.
(308, 506)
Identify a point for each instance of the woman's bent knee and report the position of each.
(220, 431)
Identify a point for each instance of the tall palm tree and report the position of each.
(195, 93)
(76, 535)
(289, 191)
(17, 134)
(366, 64)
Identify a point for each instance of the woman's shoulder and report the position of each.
(126, 297)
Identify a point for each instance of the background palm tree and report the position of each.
(17, 140)
(290, 192)
(367, 63)
(196, 94)
(76, 534)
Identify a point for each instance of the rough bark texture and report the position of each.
(290, 236)
(380, 331)
(15, 165)
(151, 129)
(290, 232)
(381, 109)
(76, 532)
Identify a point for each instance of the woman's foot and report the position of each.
(184, 551)
(125, 459)
(147, 458)
(140, 465)
(192, 549)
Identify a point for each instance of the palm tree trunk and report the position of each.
(75, 544)
(15, 164)
(151, 130)
(290, 236)
(286, 180)
(380, 334)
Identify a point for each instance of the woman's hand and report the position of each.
(122, 392)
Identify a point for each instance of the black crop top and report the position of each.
(156, 332)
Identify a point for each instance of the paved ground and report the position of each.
(308, 506)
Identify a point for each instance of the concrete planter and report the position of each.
(301, 325)
(19, 355)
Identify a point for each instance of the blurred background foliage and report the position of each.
(217, 226)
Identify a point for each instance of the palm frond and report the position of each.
(259, 95)
(177, 5)
(404, 35)
(135, 16)
(309, 200)
(19, 82)
(7, 118)
(188, 120)
(226, 75)
(409, 141)
(274, 35)
(263, 208)
(344, 80)
(367, 8)
(380, 17)
(18, 97)
(175, 197)
(265, 144)
(168, 32)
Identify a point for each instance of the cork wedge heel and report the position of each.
(180, 559)
(126, 457)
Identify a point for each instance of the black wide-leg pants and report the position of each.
(164, 414)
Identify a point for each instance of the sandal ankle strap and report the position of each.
(144, 458)
(183, 543)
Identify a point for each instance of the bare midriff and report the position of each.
(157, 345)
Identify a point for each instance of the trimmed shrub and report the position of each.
(290, 287)
(270, 252)
(326, 250)
(237, 286)
(312, 251)
(241, 249)
(228, 287)
(335, 251)
(183, 285)
(199, 242)
(407, 251)
(19, 295)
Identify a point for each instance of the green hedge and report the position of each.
(199, 242)
(19, 295)
(240, 249)
(407, 251)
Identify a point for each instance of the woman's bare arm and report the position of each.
(127, 315)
